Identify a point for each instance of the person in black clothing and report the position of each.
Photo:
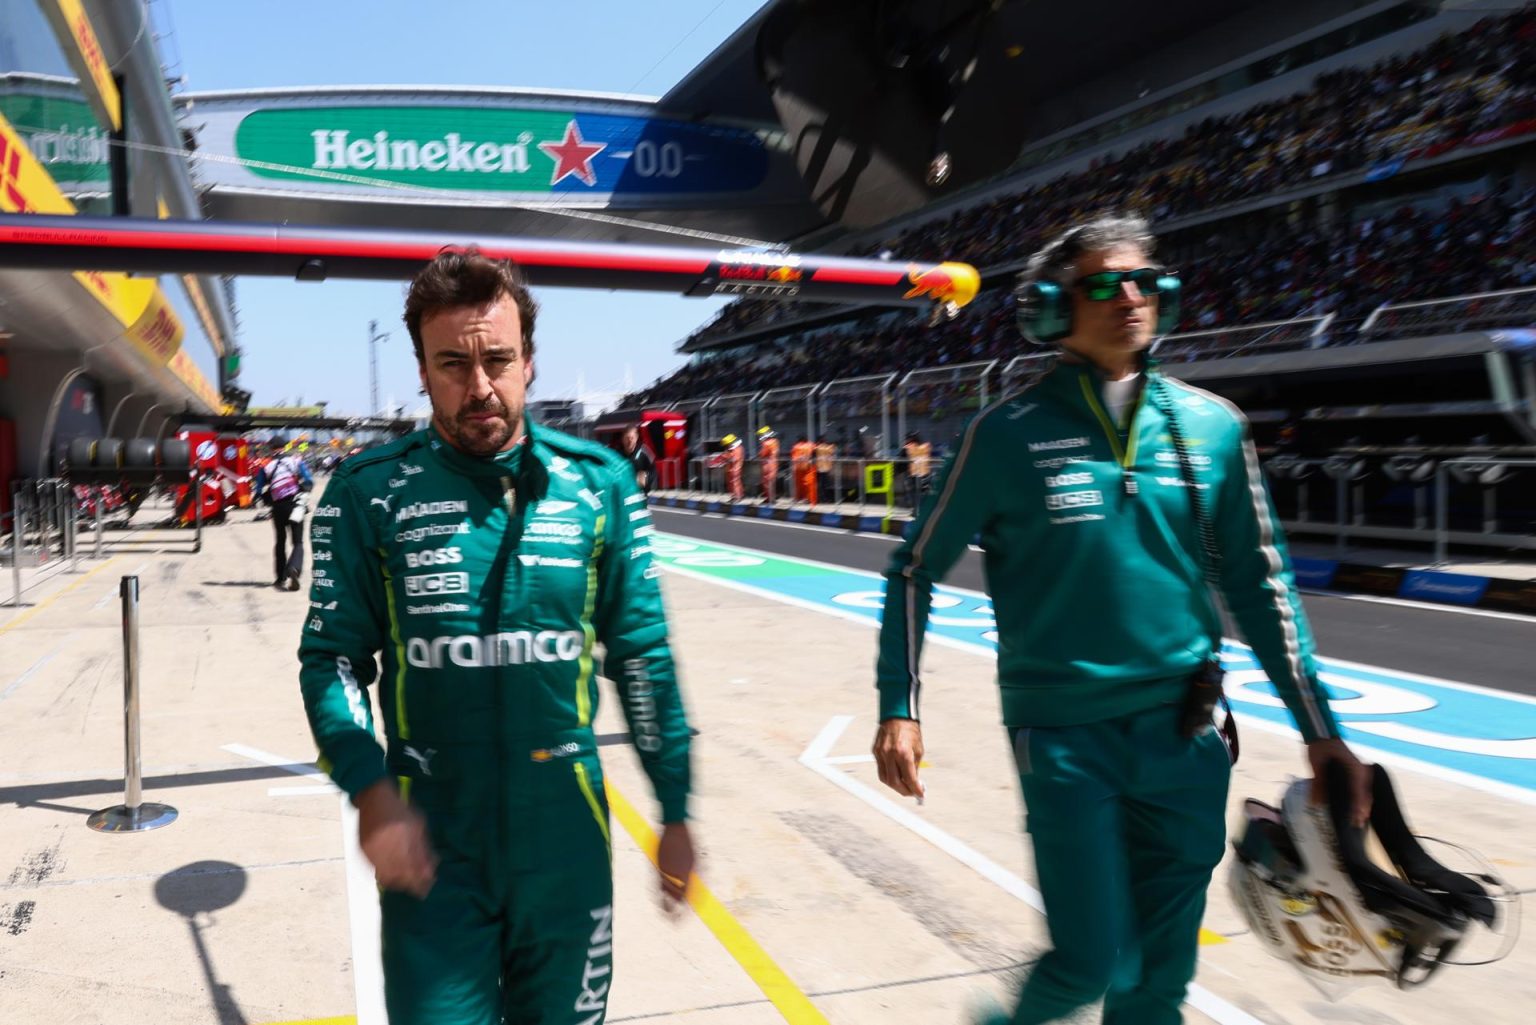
(282, 484)
(640, 458)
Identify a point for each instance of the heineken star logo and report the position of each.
(573, 155)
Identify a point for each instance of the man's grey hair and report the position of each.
(1058, 260)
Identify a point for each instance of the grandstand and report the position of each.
(1357, 240)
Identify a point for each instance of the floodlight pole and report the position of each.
(374, 337)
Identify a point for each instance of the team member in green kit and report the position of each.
(1097, 567)
(484, 557)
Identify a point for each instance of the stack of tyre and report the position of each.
(133, 460)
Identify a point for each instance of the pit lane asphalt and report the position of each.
(1428, 641)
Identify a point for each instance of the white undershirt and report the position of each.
(1118, 395)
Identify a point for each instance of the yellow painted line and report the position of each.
(793, 1004)
(40, 606)
(1211, 939)
(349, 1019)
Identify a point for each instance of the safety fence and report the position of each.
(1509, 308)
(1350, 496)
(1246, 339)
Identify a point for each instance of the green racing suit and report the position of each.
(1093, 560)
(485, 585)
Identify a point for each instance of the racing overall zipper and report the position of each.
(1124, 452)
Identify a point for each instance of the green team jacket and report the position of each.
(486, 584)
(1097, 584)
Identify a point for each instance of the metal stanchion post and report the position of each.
(18, 525)
(132, 816)
(100, 501)
(197, 491)
(1442, 513)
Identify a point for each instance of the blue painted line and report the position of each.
(1480, 732)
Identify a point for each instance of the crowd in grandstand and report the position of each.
(1464, 89)
(1483, 243)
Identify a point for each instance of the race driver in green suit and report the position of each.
(483, 559)
(1097, 556)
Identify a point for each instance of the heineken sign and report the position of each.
(484, 149)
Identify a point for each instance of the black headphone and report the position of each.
(1043, 307)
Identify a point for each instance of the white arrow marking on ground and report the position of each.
(362, 893)
(815, 758)
(1524, 747)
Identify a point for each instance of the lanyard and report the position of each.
(1125, 454)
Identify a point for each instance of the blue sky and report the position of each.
(309, 341)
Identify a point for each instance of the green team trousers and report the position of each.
(1128, 821)
(518, 928)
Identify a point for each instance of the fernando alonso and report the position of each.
(485, 559)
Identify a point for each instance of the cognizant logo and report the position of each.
(513, 648)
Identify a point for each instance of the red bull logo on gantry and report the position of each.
(955, 283)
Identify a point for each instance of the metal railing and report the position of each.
(1389, 499)
(1515, 307)
(1238, 339)
(930, 398)
(853, 408)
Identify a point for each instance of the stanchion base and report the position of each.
(123, 819)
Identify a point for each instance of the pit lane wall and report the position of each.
(1467, 590)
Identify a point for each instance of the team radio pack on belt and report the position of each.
(43, 242)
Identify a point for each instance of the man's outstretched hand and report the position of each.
(393, 836)
(898, 752)
(674, 862)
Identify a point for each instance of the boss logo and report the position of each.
(1069, 480)
(437, 583)
(434, 557)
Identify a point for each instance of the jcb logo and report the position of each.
(437, 583)
(1069, 480)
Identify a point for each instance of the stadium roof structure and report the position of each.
(813, 115)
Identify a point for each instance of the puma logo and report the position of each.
(382, 501)
(423, 760)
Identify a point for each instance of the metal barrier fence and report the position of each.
(1514, 307)
(789, 411)
(935, 401)
(841, 484)
(44, 524)
(1476, 500)
(1272, 336)
(856, 411)
(731, 414)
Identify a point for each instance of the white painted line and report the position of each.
(24, 677)
(362, 893)
(847, 759)
(113, 593)
(305, 769)
(303, 791)
(1423, 606)
(815, 758)
(893, 538)
(1508, 791)
(1505, 790)
(363, 912)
